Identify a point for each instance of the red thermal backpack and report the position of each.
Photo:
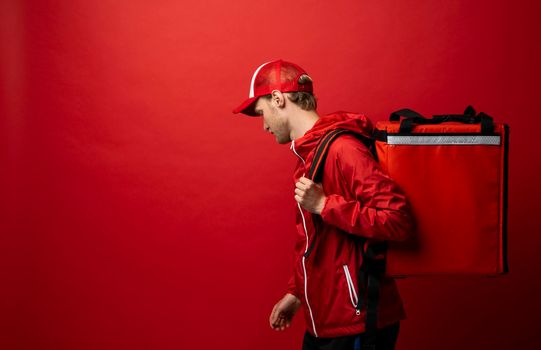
(453, 171)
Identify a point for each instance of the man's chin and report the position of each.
(282, 141)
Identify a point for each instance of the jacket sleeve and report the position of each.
(372, 204)
(299, 247)
(291, 287)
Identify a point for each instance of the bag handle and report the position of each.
(469, 117)
(405, 112)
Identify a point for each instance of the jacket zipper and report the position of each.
(351, 289)
(306, 249)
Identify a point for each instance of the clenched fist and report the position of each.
(310, 195)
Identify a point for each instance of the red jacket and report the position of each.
(361, 200)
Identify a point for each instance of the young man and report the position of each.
(355, 198)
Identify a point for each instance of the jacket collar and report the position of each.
(357, 123)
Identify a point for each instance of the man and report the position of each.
(355, 198)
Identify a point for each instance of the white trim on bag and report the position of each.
(443, 140)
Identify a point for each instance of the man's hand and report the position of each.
(310, 195)
(283, 312)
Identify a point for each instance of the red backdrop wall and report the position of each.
(138, 213)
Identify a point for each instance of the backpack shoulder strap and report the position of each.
(315, 172)
(316, 169)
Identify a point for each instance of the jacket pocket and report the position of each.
(351, 287)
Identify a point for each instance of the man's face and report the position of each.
(274, 121)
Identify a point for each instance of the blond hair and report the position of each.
(305, 100)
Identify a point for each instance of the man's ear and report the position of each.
(278, 98)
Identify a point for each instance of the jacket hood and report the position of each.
(355, 122)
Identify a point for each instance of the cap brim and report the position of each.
(247, 107)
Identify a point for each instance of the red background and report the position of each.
(138, 213)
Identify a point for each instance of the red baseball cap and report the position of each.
(275, 75)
